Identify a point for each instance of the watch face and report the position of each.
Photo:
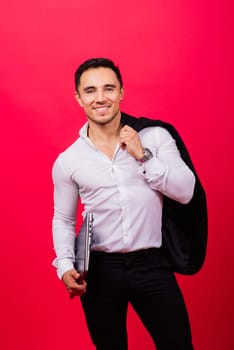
(147, 155)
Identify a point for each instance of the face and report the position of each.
(99, 94)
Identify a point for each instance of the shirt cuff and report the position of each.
(63, 265)
(152, 168)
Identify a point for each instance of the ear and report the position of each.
(78, 99)
(121, 93)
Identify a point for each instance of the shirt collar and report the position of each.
(84, 131)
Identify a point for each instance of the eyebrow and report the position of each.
(94, 87)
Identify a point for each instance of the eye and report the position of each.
(89, 91)
(109, 88)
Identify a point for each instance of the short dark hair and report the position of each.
(96, 63)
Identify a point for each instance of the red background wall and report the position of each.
(177, 63)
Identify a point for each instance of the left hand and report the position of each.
(129, 139)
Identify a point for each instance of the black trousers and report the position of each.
(144, 280)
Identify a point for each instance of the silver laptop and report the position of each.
(83, 246)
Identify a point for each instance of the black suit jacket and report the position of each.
(184, 226)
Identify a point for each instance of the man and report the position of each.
(121, 176)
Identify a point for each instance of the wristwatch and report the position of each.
(147, 156)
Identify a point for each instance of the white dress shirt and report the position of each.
(124, 195)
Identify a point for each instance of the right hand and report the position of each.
(70, 279)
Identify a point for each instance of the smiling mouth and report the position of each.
(102, 109)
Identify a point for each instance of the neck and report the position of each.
(107, 132)
(105, 138)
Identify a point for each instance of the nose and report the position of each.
(100, 96)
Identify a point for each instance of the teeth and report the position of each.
(101, 108)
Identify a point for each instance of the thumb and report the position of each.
(75, 274)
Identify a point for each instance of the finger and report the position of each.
(127, 127)
(79, 292)
(74, 287)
